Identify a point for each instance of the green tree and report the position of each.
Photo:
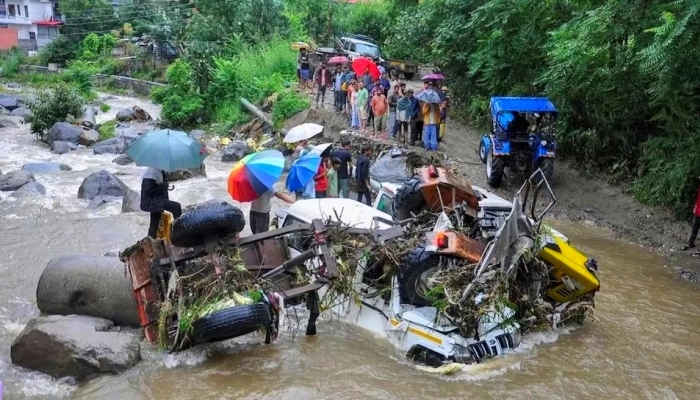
(88, 16)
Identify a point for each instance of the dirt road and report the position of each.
(581, 199)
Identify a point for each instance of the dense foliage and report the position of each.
(53, 106)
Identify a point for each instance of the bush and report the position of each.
(108, 129)
(288, 104)
(181, 104)
(54, 106)
(60, 51)
(80, 74)
(10, 62)
(104, 107)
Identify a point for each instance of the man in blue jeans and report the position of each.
(343, 154)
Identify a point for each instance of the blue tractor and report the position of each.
(522, 138)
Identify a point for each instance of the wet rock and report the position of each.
(88, 137)
(99, 201)
(9, 102)
(6, 123)
(21, 112)
(117, 145)
(198, 135)
(134, 113)
(64, 132)
(123, 160)
(74, 345)
(186, 174)
(13, 85)
(101, 183)
(131, 201)
(15, 179)
(236, 150)
(29, 189)
(88, 117)
(46, 167)
(108, 146)
(4, 111)
(60, 147)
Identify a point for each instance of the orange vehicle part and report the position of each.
(443, 189)
(457, 244)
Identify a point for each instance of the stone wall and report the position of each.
(137, 86)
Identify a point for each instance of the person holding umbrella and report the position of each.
(252, 180)
(163, 151)
(300, 179)
(430, 110)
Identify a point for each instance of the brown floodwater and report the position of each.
(642, 345)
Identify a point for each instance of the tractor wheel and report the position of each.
(409, 199)
(482, 152)
(414, 276)
(495, 168)
(408, 75)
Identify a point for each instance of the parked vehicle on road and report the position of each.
(522, 138)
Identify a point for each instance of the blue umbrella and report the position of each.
(167, 150)
(429, 96)
(303, 170)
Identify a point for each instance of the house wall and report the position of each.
(8, 38)
(23, 24)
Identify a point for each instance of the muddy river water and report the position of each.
(644, 344)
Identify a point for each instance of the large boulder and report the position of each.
(236, 150)
(21, 112)
(74, 345)
(101, 183)
(134, 113)
(9, 102)
(88, 137)
(64, 132)
(60, 147)
(29, 190)
(131, 202)
(186, 174)
(15, 179)
(108, 146)
(390, 169)
(87, 285)
(125, 135)
(46, 167)
(99, 201)
(123, 160)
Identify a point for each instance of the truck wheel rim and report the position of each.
(489, 164)
(482, 151)
(423, 285)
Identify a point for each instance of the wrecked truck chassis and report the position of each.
(149, 263)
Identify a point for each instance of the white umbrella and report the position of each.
(302, 132)
(319, 149)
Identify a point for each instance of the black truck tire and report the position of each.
(418, 262)
(408, 75)
(498, 166)
(231, 322)
(409, 199)
(217, 218)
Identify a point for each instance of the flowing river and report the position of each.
(644, 344)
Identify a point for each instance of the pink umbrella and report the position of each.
(338, 60)
(433, 77)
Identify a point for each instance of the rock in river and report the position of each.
(123, 160)
(131, 202)
(21, 112)
(60, 147)
(88, 137)
(74, 345)
(101, 183)
(45, 167)
(30, 189)
(15, 180)
(65, 132)
(236, 150)
(134, 113)
(186, 174)
(8, 101)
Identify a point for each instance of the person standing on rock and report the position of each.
(305, 66)
(696, 225)
(259, 216)
(344, 156)
(393, 100)
(362, 174)
(155, 200)
(379, 110)
(361, 104)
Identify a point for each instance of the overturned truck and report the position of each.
(440, 283)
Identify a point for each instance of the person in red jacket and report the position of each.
(696, 225)
(321, 179)
(322, 79)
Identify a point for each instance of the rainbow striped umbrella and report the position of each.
(255, 174)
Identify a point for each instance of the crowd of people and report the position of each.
(378, 106)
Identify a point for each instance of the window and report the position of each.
(298, 240)
(11, 10)
(26, 11)
(385, 204)
(32, 35)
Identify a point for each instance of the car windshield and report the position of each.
(366, 48)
